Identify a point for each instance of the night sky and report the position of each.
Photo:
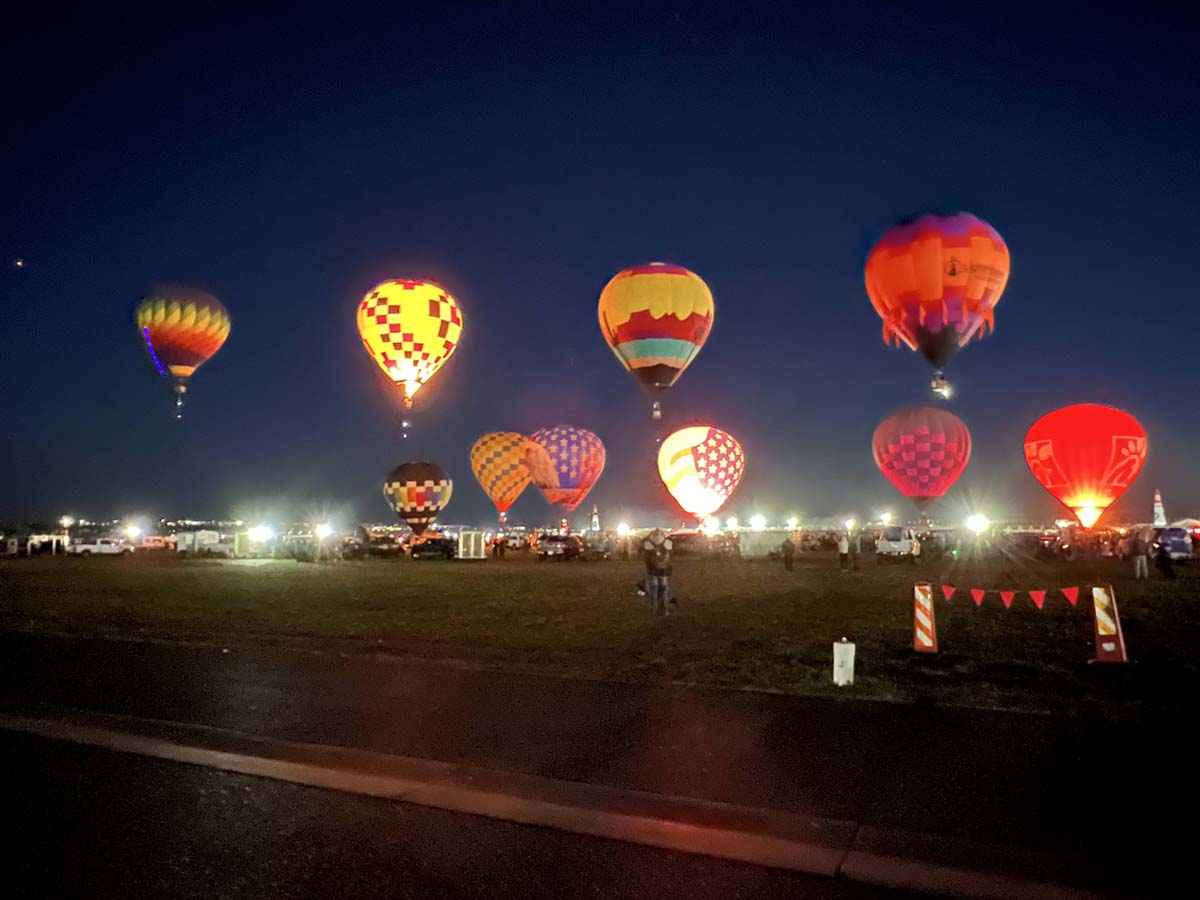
(521, 158)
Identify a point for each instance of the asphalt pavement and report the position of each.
(94, 823)
(1078, 788)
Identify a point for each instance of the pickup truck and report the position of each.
(100, 547)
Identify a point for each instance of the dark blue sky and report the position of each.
(521, 158)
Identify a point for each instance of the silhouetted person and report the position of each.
(1141, 558)
(657, 552)
(843, 546)
(1162, 561)
(788, 549)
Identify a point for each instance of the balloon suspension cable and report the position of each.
(180, 394)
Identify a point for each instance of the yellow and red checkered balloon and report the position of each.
(409, 328)
(701, 467)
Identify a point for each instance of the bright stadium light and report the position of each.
(885, 518)
(260, 533)
(132, 531)
(324, 530)
(792, 521)
(711, 526)
(850, 523)
(731, 523)
(623, 529)
(978, 522)
(66, 522)
(758, 523)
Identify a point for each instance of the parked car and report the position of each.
(101, 547)
(435, 548)
(559, 546)
(697, 543)
(897, 543)
(1177, 542)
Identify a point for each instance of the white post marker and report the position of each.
(843, 663)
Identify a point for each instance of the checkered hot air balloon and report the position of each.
(504, 462)
(181, 328)
(418, 491)
(577, 458)
(1086, 456)
(701, 467)
(655, 319)
(410, 329)
(935, 281)
(922, 451)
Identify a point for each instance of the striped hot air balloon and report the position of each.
(418, 491)
(701, 467)
(410, 329)
(656, 318)
(182, 328)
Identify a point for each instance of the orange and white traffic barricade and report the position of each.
(924, 623)
(1110, 642)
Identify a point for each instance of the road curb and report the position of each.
(810, 844)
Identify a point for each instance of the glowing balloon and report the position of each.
(418, 491)
(701, 467)
(577, 460)
(503, 462)
(1086, 456)
(182, 328)
(935, 281)
(410, 329)
(656, 318)
(922, 451)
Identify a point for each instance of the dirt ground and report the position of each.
(741, 624)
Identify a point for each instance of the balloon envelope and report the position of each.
(701, 467)
(418, 491)
(935, 281)
(655, 319)
(1086, 456)
(182, 329)
(503, 463)
(922, 451)
(577, 461)
(410, 329)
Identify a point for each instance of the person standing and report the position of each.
(788, 549)
(1141, 557)
(843, 546)
(1162, 560)
(657, 552)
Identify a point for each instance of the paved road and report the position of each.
(1029, 781)
(102, 824)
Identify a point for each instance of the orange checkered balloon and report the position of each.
(409, 328)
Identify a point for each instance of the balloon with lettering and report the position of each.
(935, 281)
(418, 491)
(656, 318)
(577, 458)
(1086, 456)
(922, 451)
(701, 467)
(182, 328)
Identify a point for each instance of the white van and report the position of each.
(897, 542)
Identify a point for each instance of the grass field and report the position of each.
(744, 624)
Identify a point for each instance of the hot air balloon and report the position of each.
(1086, 456)
(922, 451)
(409, 328)
(656, 318)
(503, 462)
(577, 458)
(418, 491)
(701, 467)
(182, 328)
(935, 281)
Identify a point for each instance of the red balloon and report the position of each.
(1086, 455)
(922, 451)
